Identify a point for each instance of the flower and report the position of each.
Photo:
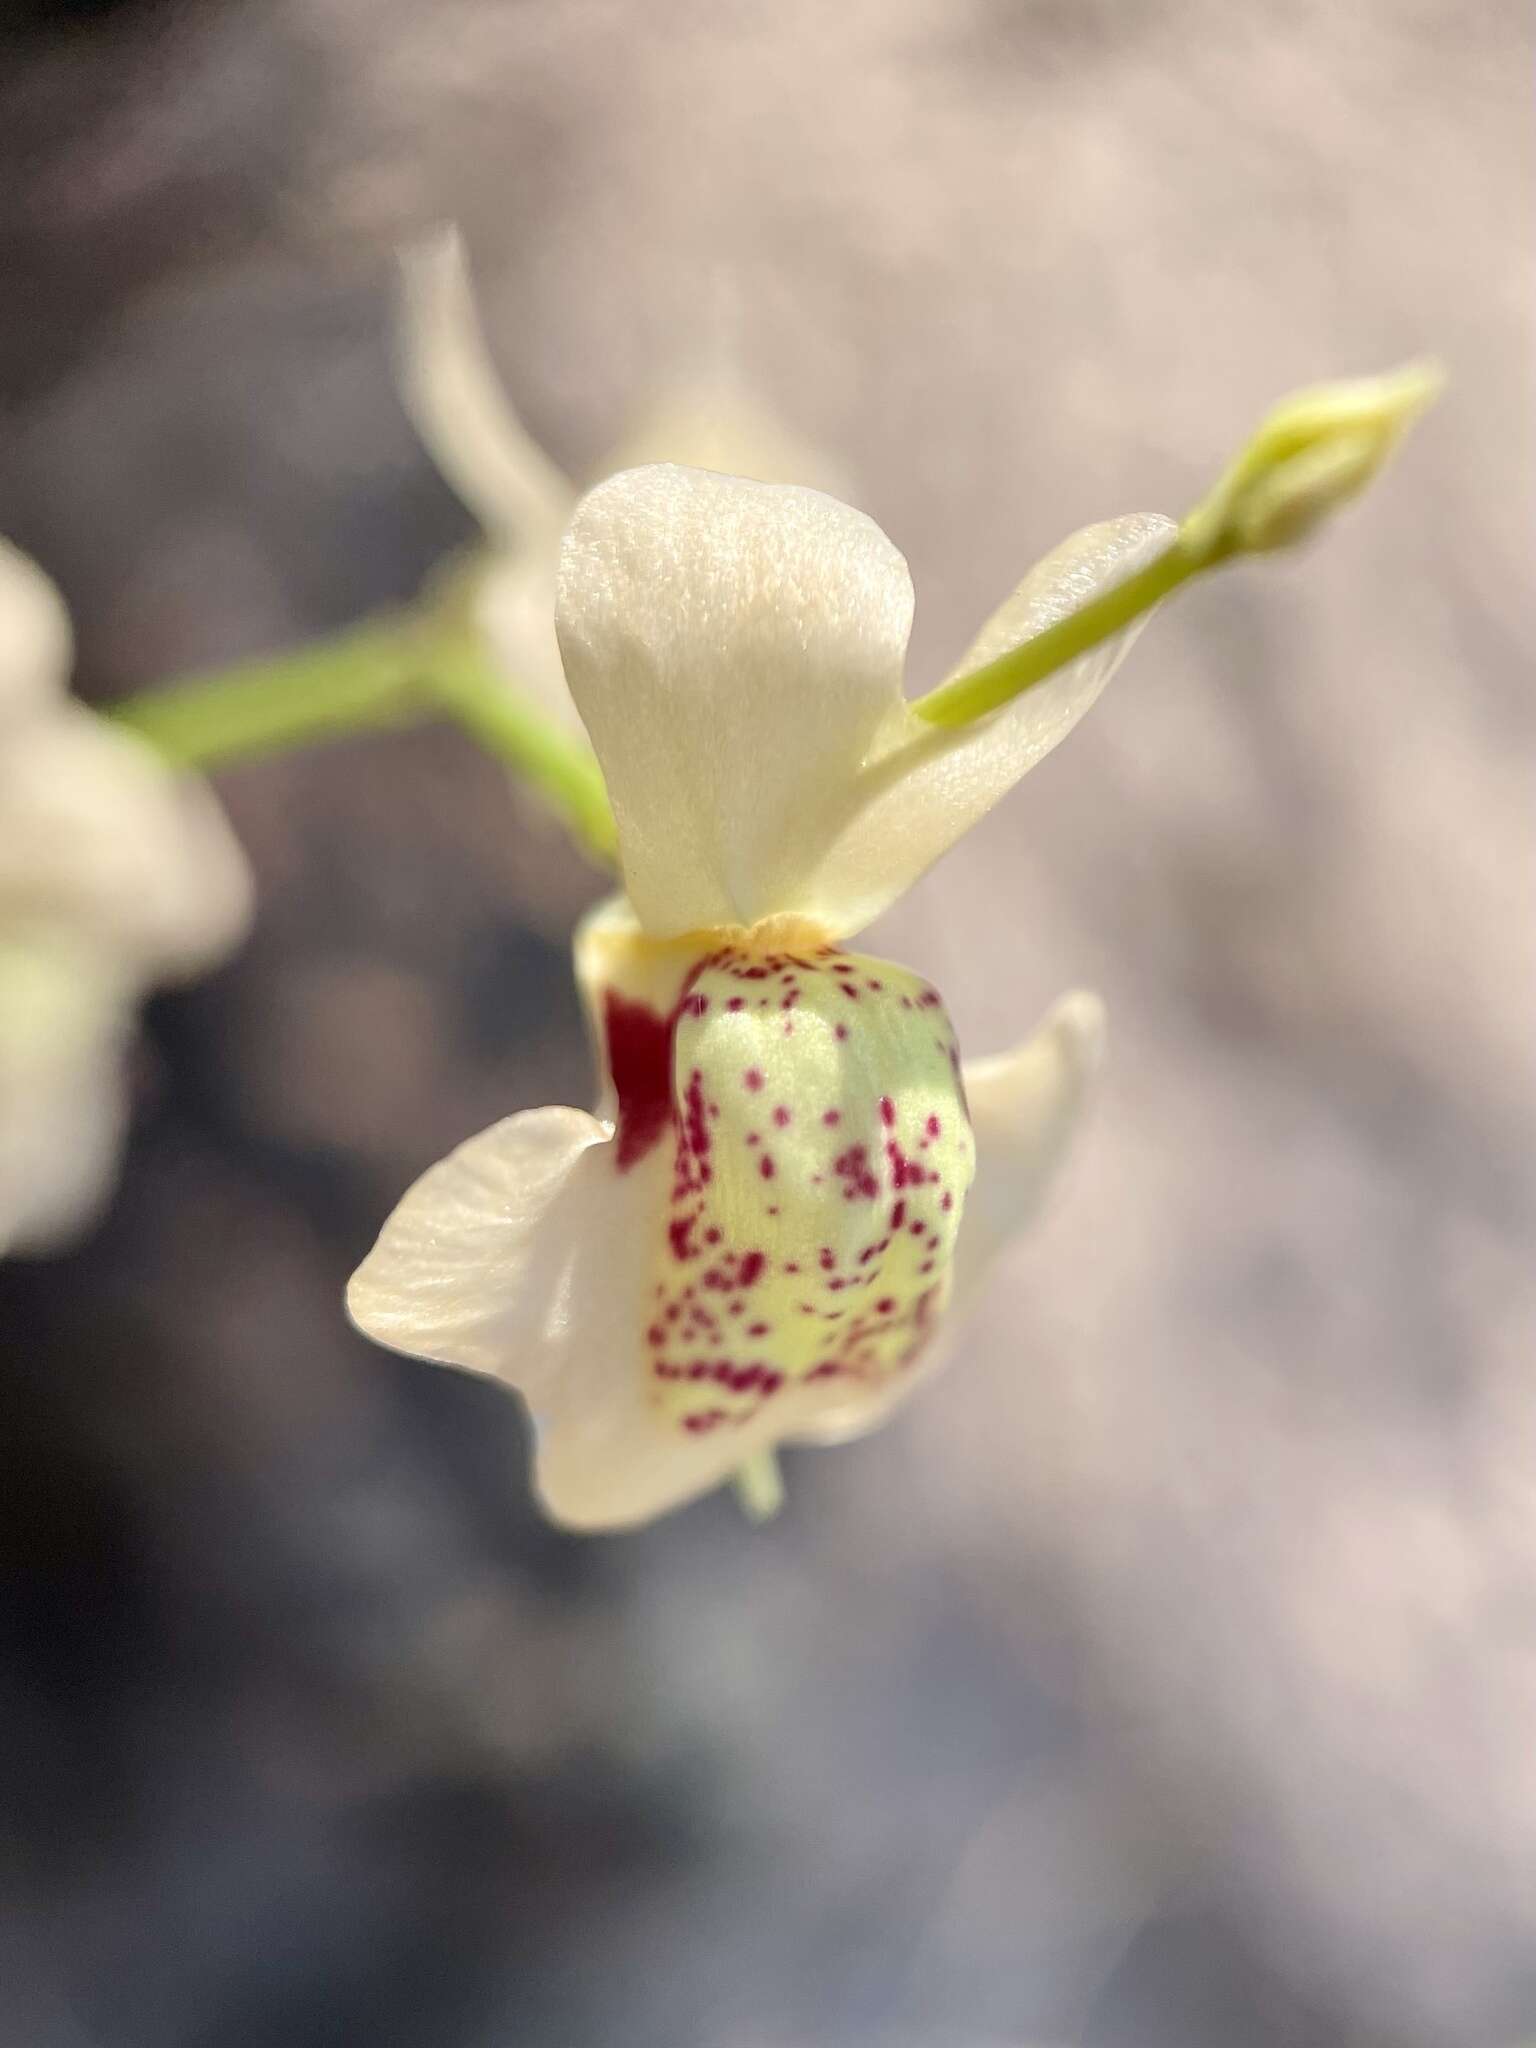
(115, 875)
(791, 1185)
(521, 498)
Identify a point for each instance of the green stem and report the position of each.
(366, 679)
(971, 696)
(390, 673)
(467, 688)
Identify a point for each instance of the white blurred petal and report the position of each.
(34, 637)
(460, 408)
(98, 835)
(64, 1018)
(734, 649)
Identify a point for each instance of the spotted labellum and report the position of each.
(792, 1184)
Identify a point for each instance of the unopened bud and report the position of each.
(1315, 451)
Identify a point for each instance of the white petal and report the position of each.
(923, 787)
(34, 636)
(63, 1020)
(460, 409)
(470, 1266)
(99, 835)
(1026, 1107)
(734, 649)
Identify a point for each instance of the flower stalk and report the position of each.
(383, 676)
(1311, 453)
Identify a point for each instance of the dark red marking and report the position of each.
(640, 1060)
(753, 1079)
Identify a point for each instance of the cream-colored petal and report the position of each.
(460, 408)
(472, 1265)
(923, 787)
(734, 649)
(1026, 1107)
(64, 1019)
(99, 835)
(34, 637)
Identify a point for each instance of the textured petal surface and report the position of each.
(97, 834)
(470, 1267)
(34, 637)
(460, 409)
(923, 787)
(735, 649)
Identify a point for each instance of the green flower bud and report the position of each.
(1315, 451)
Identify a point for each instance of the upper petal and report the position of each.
(34, 636)
(735, 650)
(460, 408)
(923, 787)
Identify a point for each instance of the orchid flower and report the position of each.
(792, 1186)
(116, 875)
(522, 499)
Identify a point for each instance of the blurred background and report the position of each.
(1165, 1678)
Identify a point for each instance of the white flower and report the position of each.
(115, 875)
(521, 498)
(771, 1218)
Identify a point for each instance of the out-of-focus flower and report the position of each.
(116, 875)
(771, 1222)
(520, 497)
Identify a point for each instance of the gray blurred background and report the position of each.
(1166, 1677)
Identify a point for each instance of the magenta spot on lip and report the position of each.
(752, 1079)
(933, 1127)
(765, 1166)
(781, 1116)
(831, 1116)
(737, 1003)
(887, 1111)
(752, 1264)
